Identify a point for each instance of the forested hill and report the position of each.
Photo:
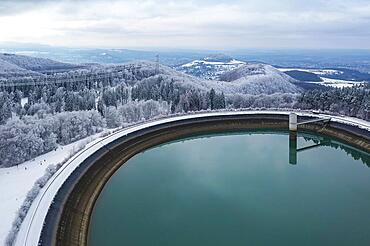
(20, 65)
(262, 78)
(268, 82)
(68, 106)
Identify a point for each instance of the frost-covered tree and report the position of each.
(112, 117)
(32, 136)
(353, 101)
(5, 107)
(142, 110)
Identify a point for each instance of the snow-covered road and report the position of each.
(32, 225)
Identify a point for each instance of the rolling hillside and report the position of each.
(255, 78)
(247, 79)
(20, 65)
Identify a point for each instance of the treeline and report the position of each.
(92, 77)
(26, 138)
(134, 111)
(52, 99)
(180, 97)
(31, 136)
(354, 101)
(277, 100)
(70, 91)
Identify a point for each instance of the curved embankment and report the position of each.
(67, 219)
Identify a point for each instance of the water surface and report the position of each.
(236, 189)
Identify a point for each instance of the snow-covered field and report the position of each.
(210, 69)
(337, 83)
(16, 181)
(234, 63)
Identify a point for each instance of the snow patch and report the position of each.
(336, 83)
(24, 101)
(213, 63)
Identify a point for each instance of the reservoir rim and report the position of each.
(68, 219)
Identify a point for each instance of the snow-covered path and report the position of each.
(23, 181)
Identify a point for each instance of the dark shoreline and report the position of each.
(67, 221)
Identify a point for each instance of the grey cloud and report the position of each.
(14, 7)
(9, 7)
(228, 22)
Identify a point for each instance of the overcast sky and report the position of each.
(209, 24)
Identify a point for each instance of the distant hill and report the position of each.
(246, 70)
(9, 68)
(218, 58)
(249, 79)
(245, 79)
(20, 65)
(234, 76)
(255, 78)
(210, 67)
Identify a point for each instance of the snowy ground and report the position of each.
(16, 181)
(337, 83)
(235, 63)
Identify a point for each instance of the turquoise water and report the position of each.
(237, 189)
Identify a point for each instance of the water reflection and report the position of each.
(322, 141)
(293, 148)
(239, 188)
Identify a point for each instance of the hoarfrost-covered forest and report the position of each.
(41, 109)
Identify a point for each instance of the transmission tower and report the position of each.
(157, 64)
